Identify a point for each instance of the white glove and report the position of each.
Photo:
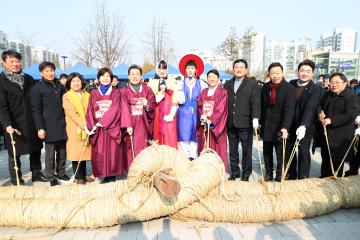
(357, 132)
(300, 132)
(169, 118)
(181, 97)
(203, 119)
(173, 111)
(89, 132)
(159, 97)
(255, 123)
(130, 131)
(97, 125)
(357, 120)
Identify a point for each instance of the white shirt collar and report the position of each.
(211, 91)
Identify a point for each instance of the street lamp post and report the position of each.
(64, 57)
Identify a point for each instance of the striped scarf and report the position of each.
(17, 78)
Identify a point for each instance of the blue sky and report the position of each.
(192, 24)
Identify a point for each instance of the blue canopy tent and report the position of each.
(171, 70)
(121, 71)
(85, 71)
(209, 67)
(33, 71)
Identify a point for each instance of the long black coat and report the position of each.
(244, 105)
(273, 119)
(47, 111)
(305, 108)
(15, 111)
(342, 110)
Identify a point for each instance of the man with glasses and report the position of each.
(340, 107)
(307, 98)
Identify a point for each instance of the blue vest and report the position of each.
(187, 114)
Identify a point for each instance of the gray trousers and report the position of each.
(50, 149)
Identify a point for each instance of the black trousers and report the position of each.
(355, 161)
(81, 172)
(50, 149)
(269, 161)
(35, 165)
(300, 165)
(325, 164)
(245, 137)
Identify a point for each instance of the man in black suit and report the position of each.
(243, 116)
(303, 126)
(49, 120)
(277, 113)
(340, 107)
(15, 113)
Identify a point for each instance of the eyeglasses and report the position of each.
(336, 83)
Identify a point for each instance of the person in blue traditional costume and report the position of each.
(191, 66)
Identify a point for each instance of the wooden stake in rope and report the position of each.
(132, 147)
(355, 138)
(283, 157)
(292, 154)
(322, 117)
(80, 160)
(14, 155)
(208, 135)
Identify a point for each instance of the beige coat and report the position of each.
(74, 144)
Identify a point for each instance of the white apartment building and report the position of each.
(340, 40)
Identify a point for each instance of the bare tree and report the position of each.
(158, 43)
(230, 46)
(110, 44)
(103, 39)
(85, 47)
(247, 43)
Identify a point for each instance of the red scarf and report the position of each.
(273, 89)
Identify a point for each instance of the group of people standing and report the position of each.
(110, 126)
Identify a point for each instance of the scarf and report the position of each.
(104, 89)
(17, 78)
(273, 89)
(76, 101)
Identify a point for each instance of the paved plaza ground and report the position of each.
(342, 224)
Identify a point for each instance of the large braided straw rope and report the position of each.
(204, 195)
(117, 203)
(246, 202)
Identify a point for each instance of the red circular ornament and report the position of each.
(191, 57)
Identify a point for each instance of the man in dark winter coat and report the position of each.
(277, 113)
(307, 99)
(341, 108)
(15, 113)
(49, 119)
(243, 116)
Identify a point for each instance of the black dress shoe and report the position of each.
(245, 178)
(39, 178)
(64, 178)
(268, 177)
(233, 177)
(350, 173)
(108, 179)
(21, 182)
(54, 182)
